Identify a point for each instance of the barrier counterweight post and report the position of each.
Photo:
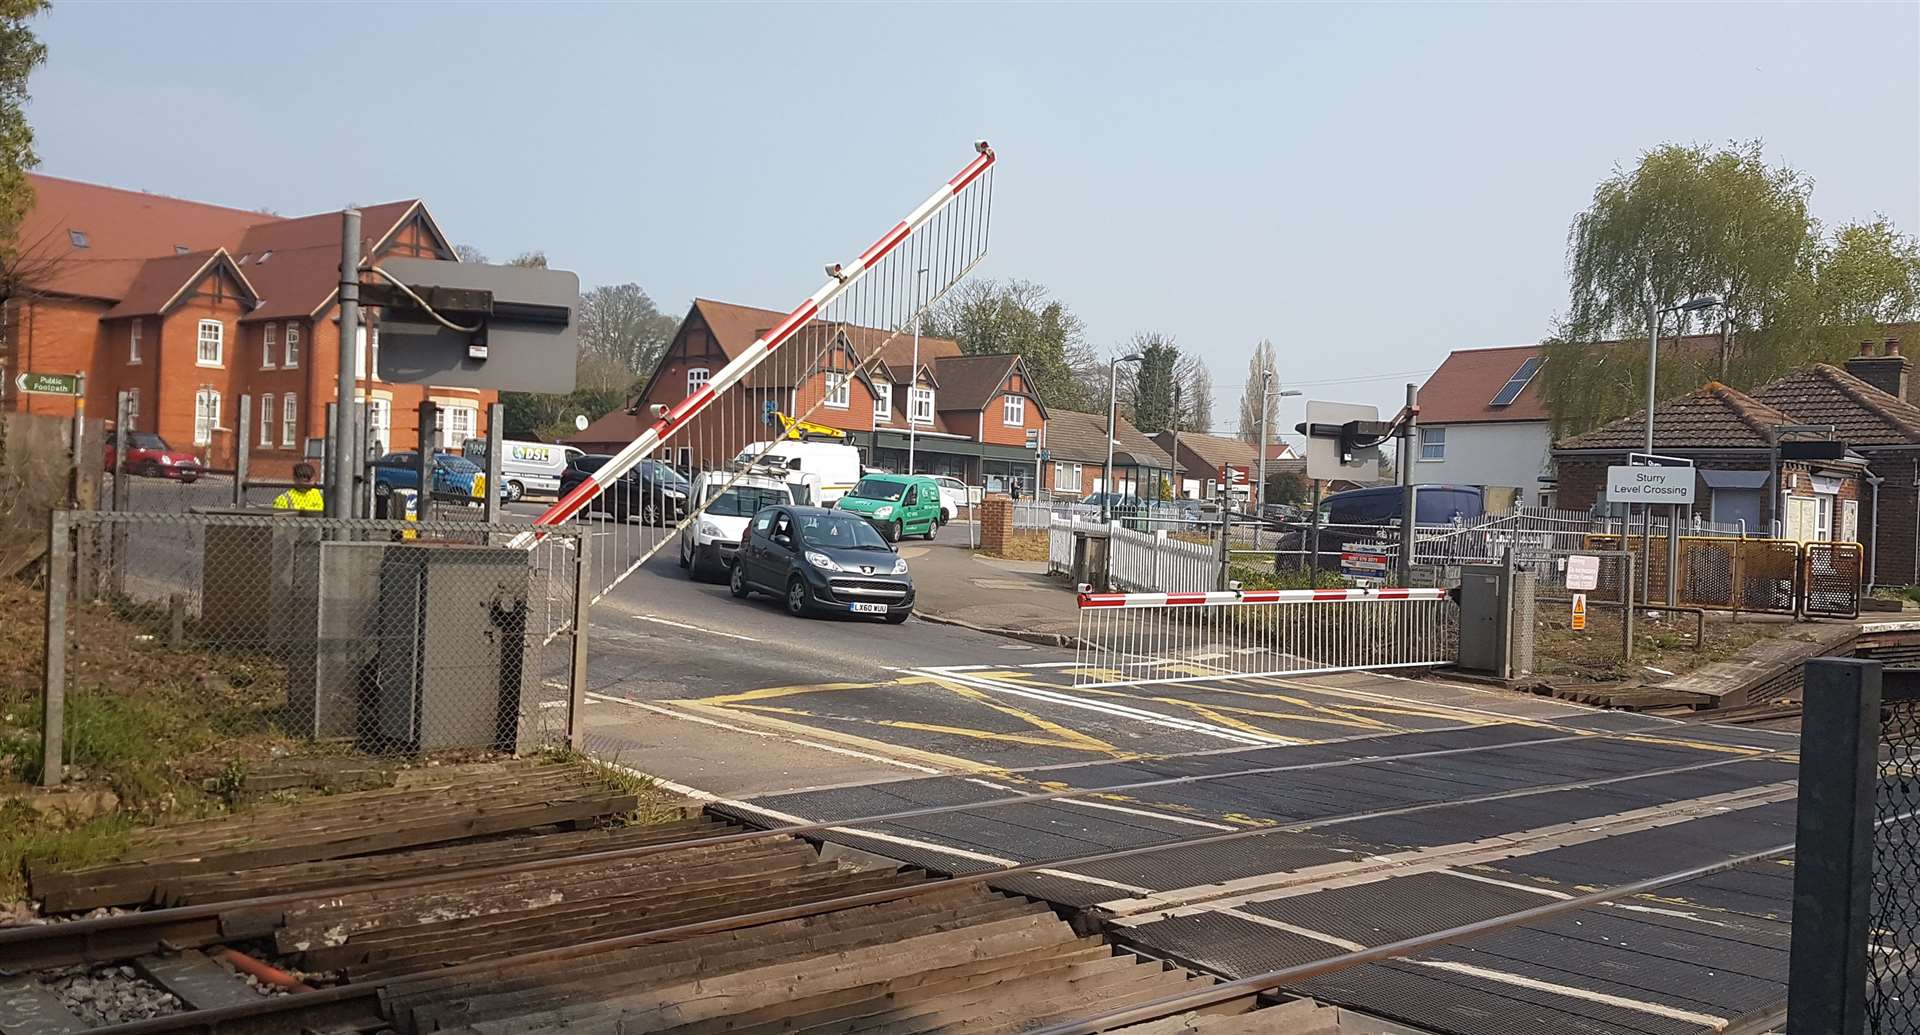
(1833, 855)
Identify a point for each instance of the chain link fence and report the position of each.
(1893, 986)
(376, 636)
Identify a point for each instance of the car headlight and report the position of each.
(711, 530)
(880, 512)
(900, 566)
(674, 494)
(821, 561)
(167, 460)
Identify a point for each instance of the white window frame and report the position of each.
(292, 358)
(133, 408)
(839, 390)
(269, 340)
(697, 376)
(379, 422)
(1823, 508)
(218, 339)
(1013, 410)
(133, 339)
(1066, 477)
(454, 434)
(266, 419)
(882, 402)
(289, 420)
(1433, 444)
(920, 405)
(206, 415)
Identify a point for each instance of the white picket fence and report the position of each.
(1149, 562)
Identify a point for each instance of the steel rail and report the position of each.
(216, 1020)
(132, 934)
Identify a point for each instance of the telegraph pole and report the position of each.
(345, 454)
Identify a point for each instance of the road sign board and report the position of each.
(1357, 564)
(1324, 461)
(1672, 485)
(1583, 571)
(530, 341)
(1578, 620)
(1033, 438)
(1043, 456)
(49, 384)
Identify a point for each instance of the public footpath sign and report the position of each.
(49, 384)
(1672, 485)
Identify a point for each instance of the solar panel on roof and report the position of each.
(1518, 382)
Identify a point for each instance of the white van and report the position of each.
(830, 469)
(525, 467)
(730, 499)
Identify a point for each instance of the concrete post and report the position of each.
(577, 669)
(423, 456)
(496, 432)
(346, 455)
(1409, 441)
(242, 449)
(53, 697)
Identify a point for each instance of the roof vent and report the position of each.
(264, 256)
(1893, 347)
(181, 249)
(78, 238)
(1866, 348)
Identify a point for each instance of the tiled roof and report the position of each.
(1462, 390)
(1713, 416)
(967, 382)
(295, 263)
(160, 281)
(122, 228)
(1861, 414)
(737, 326)
(1082, 437)
(1213, 450)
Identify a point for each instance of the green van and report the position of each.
(897, 504)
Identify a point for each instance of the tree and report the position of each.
(1150, 387)
(988, 317)
(1196, 394)
(530, 260)
(1690, 221)
(1288, 487)
(621, 323)
(468, 253)
(20, 53)
(1253, 398)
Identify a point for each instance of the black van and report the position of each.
(1376, 506)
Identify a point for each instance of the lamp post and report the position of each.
(1267, 396)
(1113, 385)
(913, 376)
(1654, 313)
(1179, 482)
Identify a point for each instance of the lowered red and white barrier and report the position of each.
(1088, 598)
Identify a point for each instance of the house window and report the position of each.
(77, 238)
(379, 424)
(456, 426)
(696, 377)
(1823, 518)
(1013, 410)
(181, 249)
(839, 390)
(133, 408)
(366, 357)
(266, 420)
(206, 415)
(289, 419)
(882, 401)
(213, 343)
(920, 406)
(1066, 478)
(269, 341)
(293, 346)
(1433, 443)
(133, 340)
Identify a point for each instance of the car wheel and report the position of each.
(189, 479)
(686, 554)
(515, 490)
(382, 490)
(738, 583)
(149, 470)
(891, 533)
(945, 516)
(796, 596)
(896, 617)
(649, 514)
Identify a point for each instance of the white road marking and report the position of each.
(1318, 936)
(1674, 1013)
(1107, 708)
(763, 734)
(1050, 664)
(695, 628)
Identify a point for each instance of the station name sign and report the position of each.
(1672, 485)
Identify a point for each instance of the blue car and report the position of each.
(455, 478)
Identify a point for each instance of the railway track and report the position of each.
(526, 917)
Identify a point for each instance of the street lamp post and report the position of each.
(1267, 396)
(913, 376)
(1113, 386)
(1179, 482)
(1654, 313)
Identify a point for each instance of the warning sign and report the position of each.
(1579, 622)
(1363, 565)
(1583, 571)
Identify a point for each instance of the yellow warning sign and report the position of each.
(1579, 623)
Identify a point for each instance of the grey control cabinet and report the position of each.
(1496, 620)
(452, 638)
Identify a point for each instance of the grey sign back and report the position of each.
(521, 355)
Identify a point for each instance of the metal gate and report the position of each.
(1134, 638)
(820, 356)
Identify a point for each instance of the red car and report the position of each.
(148, 454)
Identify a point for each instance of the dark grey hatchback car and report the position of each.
(819, 560)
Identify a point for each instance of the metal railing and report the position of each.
(1152, 638)
(390, 637)
(1856, 875)
(1148, 562)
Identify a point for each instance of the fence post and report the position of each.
(577, 669)
(53, 698)
(1224, 550)
(242, 451)
(1626, 604)
(1159, 545)
(1833, 853)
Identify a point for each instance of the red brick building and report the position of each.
(190, 307)
(969, 415)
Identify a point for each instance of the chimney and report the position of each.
(1887, 371)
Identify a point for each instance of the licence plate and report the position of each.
(869, 609)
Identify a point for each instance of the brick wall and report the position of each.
(996, 523)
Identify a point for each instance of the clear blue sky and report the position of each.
(1369, 186)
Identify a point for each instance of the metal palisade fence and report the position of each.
(377, 636)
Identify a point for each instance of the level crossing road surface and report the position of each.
(1280, 820)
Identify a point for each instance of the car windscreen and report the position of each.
(875, 489)
(456, 464)
(145, 440)
(839, 532)
(666, 476)
(745, 501)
